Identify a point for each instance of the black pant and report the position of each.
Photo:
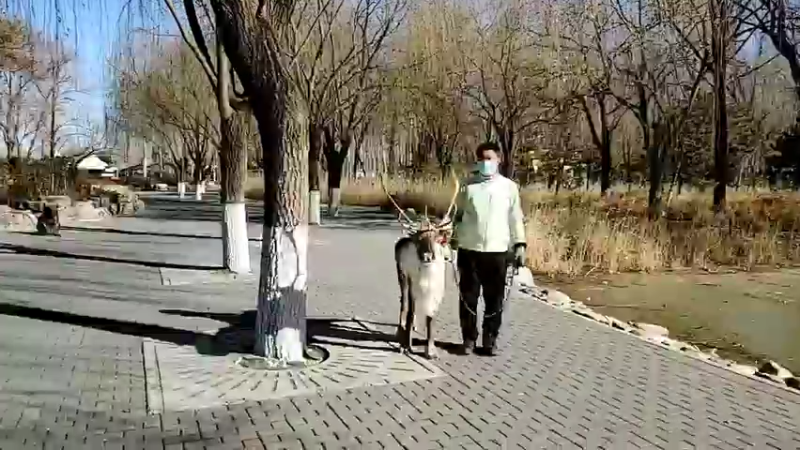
(487, 272)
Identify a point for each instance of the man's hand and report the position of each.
(519, 255)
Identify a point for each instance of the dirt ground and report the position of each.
(748, 316)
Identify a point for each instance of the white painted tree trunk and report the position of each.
(334, 202)
(181, 189)
(284, 277)
(198, 191)
(314, 205)
(236, 250)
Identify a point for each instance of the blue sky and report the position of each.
(91, 29)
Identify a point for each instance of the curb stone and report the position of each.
(658, 335)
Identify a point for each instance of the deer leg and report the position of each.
(430, 348)
(408, 335)
(401, 324)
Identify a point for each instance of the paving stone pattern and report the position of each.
(183, 377)
(562, 381)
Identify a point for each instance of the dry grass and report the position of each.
(576, 233)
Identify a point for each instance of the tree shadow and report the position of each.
(165, 208)
(361, 218)
(238, 336)
(217, 344)
(326, 331)
(146, 233)
(189, 209)
(167, 334)
(24, 250)
(331, 331)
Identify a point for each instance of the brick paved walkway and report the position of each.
(563, 382)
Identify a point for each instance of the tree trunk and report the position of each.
(654, 193)
(605, 160)
(254, 54)
(601, 138)
(719, 54)
(390, 149)
(655, 156)
(588, 176)
(335, 166)
(357, 163)
(182, 174)
(314, 156)
(558, 181)
(53, 142)
(233, 165)
(197, 172)
(507, 147)
(281, 327)
(335, 160)
(233, 168)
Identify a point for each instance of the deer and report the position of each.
(421, 263)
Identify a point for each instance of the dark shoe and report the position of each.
(467, 348)
(489, 347)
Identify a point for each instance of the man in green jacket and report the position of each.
(488, 226)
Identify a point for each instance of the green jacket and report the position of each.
(489, 216)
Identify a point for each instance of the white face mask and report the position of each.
(487, 168)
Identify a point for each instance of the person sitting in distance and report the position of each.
(48, 223)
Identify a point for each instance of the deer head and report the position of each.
(429, 235)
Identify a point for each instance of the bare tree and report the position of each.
(664, 63)
(21, 123)
(778, 20)
(15, 47)
(356, 55)
(589, 34)
(33, 98)
(252, 34)
(505, 78)
(311, 81)
(432, 102)
(169, 105)
(200, 22)
(721, 40)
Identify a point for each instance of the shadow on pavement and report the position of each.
(326, 331)
(176, 336)
(320, 331)
(360, 218)
(207, 344)
(146, 233)
(24, 250)
(236, 337)
(166, 208)
(187, 209)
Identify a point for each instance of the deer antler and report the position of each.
(456, 188)
(447, 219)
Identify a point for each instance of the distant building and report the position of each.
(94, 166)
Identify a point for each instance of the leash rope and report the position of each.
(511, 272)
